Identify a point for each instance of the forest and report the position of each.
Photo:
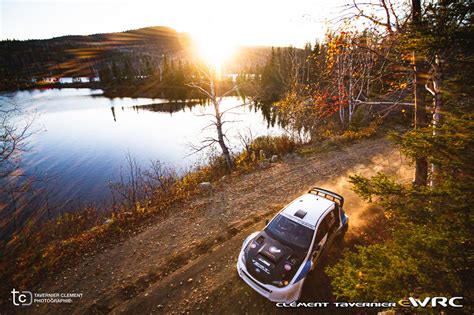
(419, 62)
(400, 69)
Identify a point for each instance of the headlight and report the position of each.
(280, 284)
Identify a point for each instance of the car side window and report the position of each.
(322, 230)
(328, 224)
(332, 220)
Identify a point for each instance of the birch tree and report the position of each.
(359, 68)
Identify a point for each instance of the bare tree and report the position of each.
(207, 83)
(436, 92)
(138, 188)
(12, 137)
(17, 193)
(360, 64)
(389, 15)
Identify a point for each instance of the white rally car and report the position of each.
(276, 260)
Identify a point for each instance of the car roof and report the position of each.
(313, 205)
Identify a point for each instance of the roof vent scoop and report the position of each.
(300, 214)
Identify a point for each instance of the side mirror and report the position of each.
(267, 221)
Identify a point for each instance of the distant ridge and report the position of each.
(84, 55)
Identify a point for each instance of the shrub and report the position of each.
(273, 145)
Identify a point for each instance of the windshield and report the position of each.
(289, 232)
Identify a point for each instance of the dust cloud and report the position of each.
(359, 211)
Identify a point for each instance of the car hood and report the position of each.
(266, 258)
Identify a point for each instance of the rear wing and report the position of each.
(328, 195)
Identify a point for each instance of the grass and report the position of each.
(263, 148)
(273, 145)
(333, 141)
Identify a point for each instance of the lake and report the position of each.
(82, 138)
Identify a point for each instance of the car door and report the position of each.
(333, 222)
(326, 233)
(320, 240)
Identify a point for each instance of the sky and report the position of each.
(245, 22)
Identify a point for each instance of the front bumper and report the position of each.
(288, 294)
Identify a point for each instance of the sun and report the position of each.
(214, 48)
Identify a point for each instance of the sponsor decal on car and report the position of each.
(260, 266)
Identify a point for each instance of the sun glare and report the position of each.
(214, 50)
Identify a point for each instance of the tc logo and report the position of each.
(431, 302)
(22, 298)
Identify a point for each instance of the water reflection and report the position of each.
(113, 113)
(170, 107)
(84, 146)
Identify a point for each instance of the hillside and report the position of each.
(82, 55)
(144, 49)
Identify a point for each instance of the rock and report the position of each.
(108, 221)
(190, 280)
(205, 186)
(274, 159)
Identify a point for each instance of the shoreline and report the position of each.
(91, 232)
(132, 89)
(143, 242)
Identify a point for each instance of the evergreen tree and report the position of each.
(429, 251)
(105, 73)
(272, 85)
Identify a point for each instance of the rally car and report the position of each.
(276, 260)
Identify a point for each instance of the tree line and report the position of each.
(427, 250)
(412, 58)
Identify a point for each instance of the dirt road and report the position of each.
(186, 263)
